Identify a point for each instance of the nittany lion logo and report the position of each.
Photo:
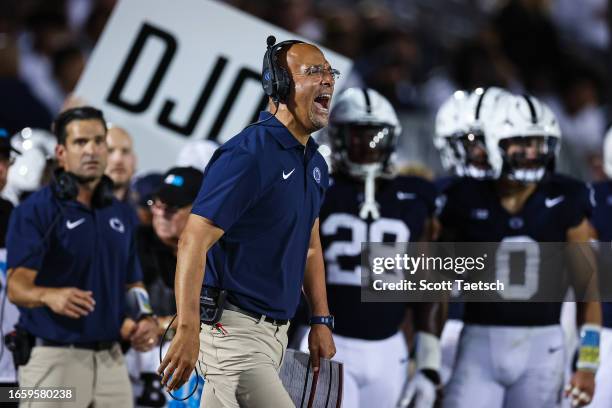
(316, 173)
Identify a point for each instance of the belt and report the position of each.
(94, 346)
(258, 316)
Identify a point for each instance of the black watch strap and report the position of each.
(325, 320)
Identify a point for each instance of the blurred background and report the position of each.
(415, 52)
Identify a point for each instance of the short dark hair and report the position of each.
(80, 113)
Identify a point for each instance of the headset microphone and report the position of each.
(271, 40)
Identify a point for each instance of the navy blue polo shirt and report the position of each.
(90, 249)
(264, 189)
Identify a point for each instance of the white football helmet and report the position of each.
(607, 153)
(363, 129)
(450, 122)
(520, 124)
(36, 147)
(460, 131)
(196, 154)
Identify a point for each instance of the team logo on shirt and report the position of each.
(551, 202)
(116, 224)
(316, 173)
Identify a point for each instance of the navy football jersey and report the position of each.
(455, 309)
(602, 221)
(473, 212)
(444, 182)
(405, 203)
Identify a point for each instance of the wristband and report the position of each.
(428, 354)
(588, 351)
(324, 320)
(137, 304)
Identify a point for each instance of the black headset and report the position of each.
(65, 187)
(275, 79)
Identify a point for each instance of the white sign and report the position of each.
(175, 71)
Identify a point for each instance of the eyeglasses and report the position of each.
(157, 205)
(316, 72)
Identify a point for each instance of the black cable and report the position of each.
(161, 342)
(259, 122)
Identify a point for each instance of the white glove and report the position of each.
(420, 393)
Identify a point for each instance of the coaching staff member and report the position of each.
(71, 260)
(255, 227)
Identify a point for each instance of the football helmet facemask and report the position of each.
(459, 133)
(363, 129)
(523, 138)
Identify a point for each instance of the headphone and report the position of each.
(66, 187)
(275, 79)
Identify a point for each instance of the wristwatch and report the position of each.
(326, 320)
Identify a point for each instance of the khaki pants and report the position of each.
(99, 378)
(241, 366)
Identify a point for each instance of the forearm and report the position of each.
(188, 283)
(430, 317)
(22, 291)
(588, 313)
(199, 235)
(314, 284)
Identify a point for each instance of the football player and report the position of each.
(367, 202)
(459, 131)
(512, 354)
(459, 137)
(602, 221)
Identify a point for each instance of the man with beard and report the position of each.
(157, 245)
(369, 201)
(511, 350)
(253, 238)
(121, 161)
(71, 260)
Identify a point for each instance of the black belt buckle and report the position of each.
(212, 301)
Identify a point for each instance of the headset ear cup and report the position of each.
(284, 84)
(267, 77)
(275, 79)
(65, 186)
(103, 195)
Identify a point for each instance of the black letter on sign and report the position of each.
(187, 128)
(146, 31)
(243, 75)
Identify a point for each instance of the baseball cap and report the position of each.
(180, 186)
(5, 144)
(144, 188)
